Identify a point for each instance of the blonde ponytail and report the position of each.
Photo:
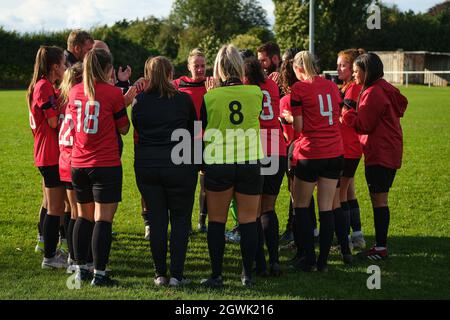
(96, 65)
(307, 61)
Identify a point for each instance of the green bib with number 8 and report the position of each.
(232, 132)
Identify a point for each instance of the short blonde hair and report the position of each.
(307, 61)
(197, 52)
(228, 64)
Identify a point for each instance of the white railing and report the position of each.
(404, 77)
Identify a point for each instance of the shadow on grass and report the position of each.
(417, 268)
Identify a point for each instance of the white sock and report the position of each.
(316, 232)
(357, 234)
(380, 248)
(78, 267)
(100, 272)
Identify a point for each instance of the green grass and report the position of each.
(419, 241)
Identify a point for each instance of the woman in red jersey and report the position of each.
(195, 87)
(288, 78)
(49, 68)
(352, 148)
(99, 111)
(379, 109)
(315, 106)
(275, 149)
(72, 76)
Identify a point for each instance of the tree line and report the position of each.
(208, 24)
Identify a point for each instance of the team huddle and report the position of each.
(304, 126)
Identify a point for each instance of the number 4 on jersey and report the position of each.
(328, 113)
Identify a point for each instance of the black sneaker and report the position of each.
(348, 259)
(83, 274)
(261, 273)
(286, 237)
(275, 269)
(302, 265)
(322, 268)
(103, 281)
(212, 282)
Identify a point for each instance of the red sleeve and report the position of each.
(120, 111)
(296, 101)
(370, 110)
(351, 96)
(176, 83)
(46, 100)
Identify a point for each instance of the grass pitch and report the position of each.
(419, 243)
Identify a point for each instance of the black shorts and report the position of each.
(379, 178)
(350, 166)
(310, 170)
(245, 178)
(102, 185)
(68, 185)
(51, 176)
(272, 183)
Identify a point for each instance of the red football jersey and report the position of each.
(196, 90)
(44, 106)
(66, 138)
(350, 139)
(96, 122)
(319, 104)
(268, 120)
(285, 104)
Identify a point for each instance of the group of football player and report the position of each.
(308, 128)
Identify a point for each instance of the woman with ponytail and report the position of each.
(72, 76)
(49, 69)
(318, 149)
(379, 109)
(352, 149)
(98, 110)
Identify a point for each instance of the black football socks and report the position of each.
(355, 215)
(260, 259)
(70, 238)
(305, 230)
(82, 238)
(271, 229)
(50, 233)
(381, 218)
(326, 236)
(249, 239)
(216, 246)
(342, 228)
(101, 244)
(42, 214)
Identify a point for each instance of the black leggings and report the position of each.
(168, 190)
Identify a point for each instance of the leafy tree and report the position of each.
(224, 18)
(246, 41)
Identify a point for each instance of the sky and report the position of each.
(50, 15)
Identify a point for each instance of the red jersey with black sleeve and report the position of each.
(96, 123)
(66, 138)
(43, 107)
(350, 138)
(271, 132)
(195, 89)
(285, 104)
(319, 103)
(379, 111)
